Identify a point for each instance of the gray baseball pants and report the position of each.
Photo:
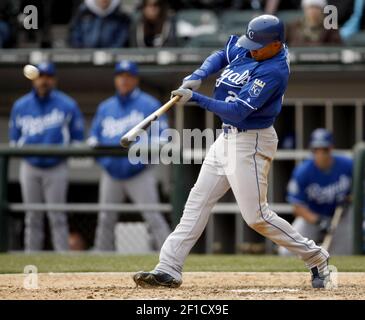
(141, 188)
(40, 185)
(240, 161)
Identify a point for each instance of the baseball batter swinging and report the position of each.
(247, 97)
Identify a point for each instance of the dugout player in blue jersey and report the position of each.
(247, 97)
(45, 116)
(120, 178)
(317, 186)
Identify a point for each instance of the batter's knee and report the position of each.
(256, 222)
(259, 219)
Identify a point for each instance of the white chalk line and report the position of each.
(255, 290)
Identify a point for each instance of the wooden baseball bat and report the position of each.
(334, 224)
(131, 135)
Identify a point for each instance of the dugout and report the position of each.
(325, 89)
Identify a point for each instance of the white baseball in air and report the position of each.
(30, 72)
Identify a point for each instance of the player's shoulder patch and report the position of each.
(256, 88)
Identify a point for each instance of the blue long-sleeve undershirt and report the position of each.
(233, 111)
(212, 64)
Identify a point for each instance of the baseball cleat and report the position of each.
(321, 280)
(155, 279)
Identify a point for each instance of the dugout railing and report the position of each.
(178, 197)
(7, 152)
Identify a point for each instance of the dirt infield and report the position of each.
(205, 285)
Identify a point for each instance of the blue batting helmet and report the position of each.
(321, 138)
(261, 31)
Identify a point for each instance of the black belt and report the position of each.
(227, 128)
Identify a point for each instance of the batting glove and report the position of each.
(185, 94)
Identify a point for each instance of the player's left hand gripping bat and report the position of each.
(131, 135)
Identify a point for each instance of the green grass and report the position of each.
(49, 262)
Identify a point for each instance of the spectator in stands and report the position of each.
(353, 24)
(41, 37)
(205, 4)
(269, 6)
(155, 27)
(218, 5)
(45, 116)
(345, 8)
(273, 6)
(8, 11)
(316, 188)
(99, 24)
(121, 178)
(203, 23)
(309, 30)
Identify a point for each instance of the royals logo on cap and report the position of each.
(256, 88)
(250, 34)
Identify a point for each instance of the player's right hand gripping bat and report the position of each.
(131, 135)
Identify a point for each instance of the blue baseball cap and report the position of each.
(321, 138)
(47, 68)
(126, 66)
